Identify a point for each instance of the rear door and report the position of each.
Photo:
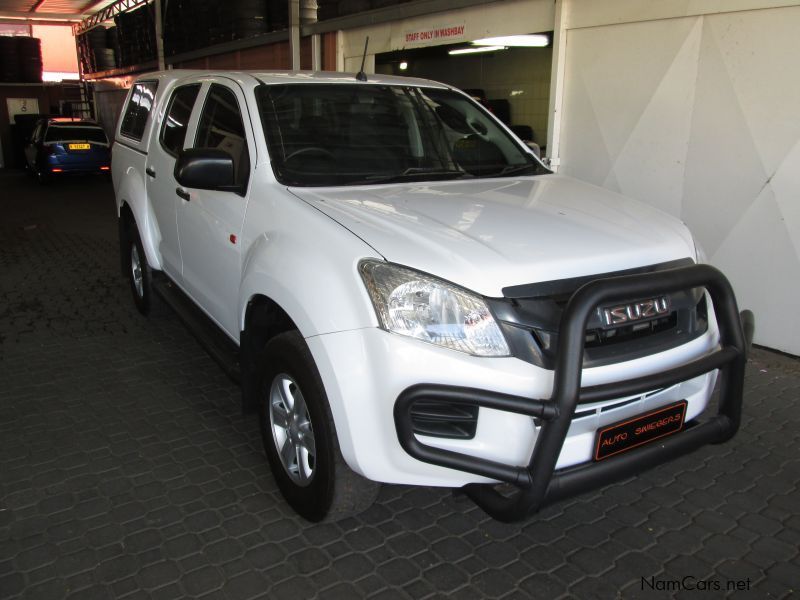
(159, 177)
(210, 222)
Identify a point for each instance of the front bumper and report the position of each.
(539, 483)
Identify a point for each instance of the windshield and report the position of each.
(339, 134)
(73, 133)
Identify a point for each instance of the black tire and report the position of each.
(331, 491)
(43, 177)
(141, 290)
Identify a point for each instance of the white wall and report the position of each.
(700, 116)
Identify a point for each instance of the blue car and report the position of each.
(63, 146)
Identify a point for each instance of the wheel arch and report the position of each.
(263, 320)
(133, 196)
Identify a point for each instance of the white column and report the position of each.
(159, 36)
(294, 33)
(557, 82)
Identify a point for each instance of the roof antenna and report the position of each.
(361, 76)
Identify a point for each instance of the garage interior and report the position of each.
(126, 467)
(512, 82)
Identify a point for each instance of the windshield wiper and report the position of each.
(515, 170)
(419, 173)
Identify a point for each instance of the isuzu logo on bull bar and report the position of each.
(636, 311)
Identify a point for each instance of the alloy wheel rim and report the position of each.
(292, 432)
(136, 271)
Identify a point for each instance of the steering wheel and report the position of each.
(310, 150)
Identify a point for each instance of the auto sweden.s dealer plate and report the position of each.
(643, 429)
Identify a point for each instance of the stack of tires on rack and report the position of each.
(136, 35)
(130, 41)
(330, 9)
(20, 59)
(193, 24)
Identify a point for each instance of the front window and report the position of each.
(221, 127)
(334, 134)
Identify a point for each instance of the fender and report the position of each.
(320, 292)
(305, 262)
(132, 191)
(308, 265)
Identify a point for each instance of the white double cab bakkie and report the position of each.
(408, 295)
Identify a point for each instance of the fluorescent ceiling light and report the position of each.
(476, 49)
(527, 41)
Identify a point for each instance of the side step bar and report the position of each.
(215, 342)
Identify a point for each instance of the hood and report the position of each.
(488, 234)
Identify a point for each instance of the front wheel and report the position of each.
(300, 437)
(139, 273)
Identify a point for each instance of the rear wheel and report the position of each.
(300, 437)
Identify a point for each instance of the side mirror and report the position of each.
(206, 169)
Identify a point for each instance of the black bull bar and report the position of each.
(538, 483)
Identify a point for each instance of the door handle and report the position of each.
(151, 172)
(183, 194)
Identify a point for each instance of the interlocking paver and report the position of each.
(127, 469)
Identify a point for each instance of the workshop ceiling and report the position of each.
(51, 9)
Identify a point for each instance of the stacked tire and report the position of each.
(20, 59)
(248, 18)
(330, 9)
(136, 36)
(194, 24)
(9, 60)
(29, 51)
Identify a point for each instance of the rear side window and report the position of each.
(173, 132)
(138, 109)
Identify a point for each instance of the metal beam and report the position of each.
(39, 18)
(150, 65)
(104, 14)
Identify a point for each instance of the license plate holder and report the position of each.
(639, 430)
(79, 146)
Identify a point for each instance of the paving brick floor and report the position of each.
(127, 470)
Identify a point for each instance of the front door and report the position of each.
(161, 183)
(210, 222)
(32, 147)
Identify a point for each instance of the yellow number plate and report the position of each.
(79, 146)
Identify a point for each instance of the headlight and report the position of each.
(429, 309)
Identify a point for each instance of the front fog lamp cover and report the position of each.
(429, 309)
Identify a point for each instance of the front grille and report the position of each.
(626, 333)
(444, 419)
(529, 316)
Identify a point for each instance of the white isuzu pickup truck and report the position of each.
(407, 295)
